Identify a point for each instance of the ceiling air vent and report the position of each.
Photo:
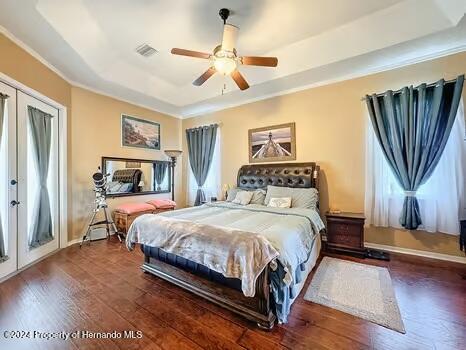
(145, 50)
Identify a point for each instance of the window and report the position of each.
(212, 184)
(441, 199)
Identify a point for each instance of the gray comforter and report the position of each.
(237, 241)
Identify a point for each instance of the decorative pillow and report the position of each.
(114, 186)
(126, 187)
(243, 197)
(300, 197)
(258, 197)
(284, 202)
(231, 193)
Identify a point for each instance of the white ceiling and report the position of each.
(92, 43)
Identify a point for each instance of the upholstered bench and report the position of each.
(162, 205)
(126, 213)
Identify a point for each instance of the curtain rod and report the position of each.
(399, 90)
(219, 124)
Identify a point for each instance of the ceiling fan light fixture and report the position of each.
(225, 65)
(224, 61)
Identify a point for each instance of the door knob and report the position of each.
(13, 182)
(14, 203)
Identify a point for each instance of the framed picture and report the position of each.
(139, 133)
(275, 143)
(133, 165)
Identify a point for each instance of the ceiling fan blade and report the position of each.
(190, 53)
(206, 75)
(239, 80)
(259, 61)
(230, 34)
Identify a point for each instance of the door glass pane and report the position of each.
(4, 185)
(41, 179)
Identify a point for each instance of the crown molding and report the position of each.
(34, 54)
(73, 83)
(362, 73)
(186, 115)
(121, 99)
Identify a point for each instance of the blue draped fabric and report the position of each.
(201, 146)
(412, 127)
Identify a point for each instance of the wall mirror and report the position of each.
(131, 177)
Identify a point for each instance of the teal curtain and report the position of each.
(3, 99)
(201, 146)
(160, 170)
(41, 129)
(412, 126)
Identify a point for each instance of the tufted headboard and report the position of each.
(132, 176)
(298, 175)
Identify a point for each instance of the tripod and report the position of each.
(100, 204)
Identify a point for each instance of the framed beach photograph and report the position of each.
(275, 143)
(140, 133)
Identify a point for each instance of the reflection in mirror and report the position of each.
(128, 177)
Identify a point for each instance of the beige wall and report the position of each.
(21, 66)
(93, 129)
(96, 132)
(330, 129)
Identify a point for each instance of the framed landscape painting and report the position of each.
(275, 143)
(139, 133)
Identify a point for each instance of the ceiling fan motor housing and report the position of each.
(224, 13)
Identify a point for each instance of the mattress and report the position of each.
(234, 283)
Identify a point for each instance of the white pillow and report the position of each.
(258, 195)
(231, 193)
(243, 197)
(282, 202)
(300, 197)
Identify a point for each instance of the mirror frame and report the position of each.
(111, 195)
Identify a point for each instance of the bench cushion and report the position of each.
(162, 203)
(134, 208)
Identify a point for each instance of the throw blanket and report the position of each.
(231, 252)
(290, 232)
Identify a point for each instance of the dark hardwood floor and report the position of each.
(101, 288)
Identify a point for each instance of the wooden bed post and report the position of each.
(264, 300)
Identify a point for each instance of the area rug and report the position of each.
(361, 290)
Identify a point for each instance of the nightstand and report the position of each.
(345, 233)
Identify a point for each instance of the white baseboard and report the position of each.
(97, 234)
(74, 241)
(425, 254)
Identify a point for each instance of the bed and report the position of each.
(263, 297)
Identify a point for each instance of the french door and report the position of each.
(8, 193)
(29, 180)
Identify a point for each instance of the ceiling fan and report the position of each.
(224, 58)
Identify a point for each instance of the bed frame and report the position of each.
(259, 308)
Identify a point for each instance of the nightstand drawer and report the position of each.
(345, 240)
(344, 229)
(345, 232)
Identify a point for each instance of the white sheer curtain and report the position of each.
(212, 184)
(441, 198)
